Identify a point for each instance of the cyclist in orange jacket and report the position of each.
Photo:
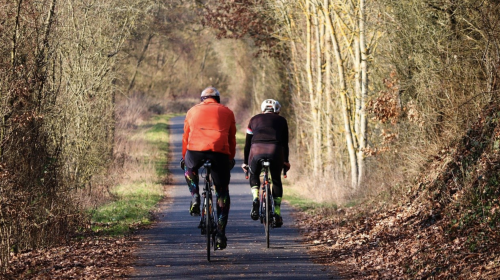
(210, 133)
(267, 137)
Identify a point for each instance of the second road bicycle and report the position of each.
(266, 207)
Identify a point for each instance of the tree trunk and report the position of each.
(364, 91)
(317, 98)
(141, 58)
(343, 97)
(328, 93)
(310, 83)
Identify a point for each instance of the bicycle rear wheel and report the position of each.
(214, 222)
(268, 214)
(208, 221)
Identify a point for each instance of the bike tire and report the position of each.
(208, 222)
(214, 228)
(268, 215)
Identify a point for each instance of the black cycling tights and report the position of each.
(272, 152)
(220, 174)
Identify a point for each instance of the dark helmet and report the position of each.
(210, 92)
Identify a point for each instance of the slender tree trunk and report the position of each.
(41, 55)
(141, 58)
(328, 93)
(316, 100)
(13, 59)
(343, 97)
(309, 69)
(364, 90)
(357, 85)
(15, 36)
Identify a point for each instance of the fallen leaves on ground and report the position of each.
(88, 258)
(387, 245)
(447, 226)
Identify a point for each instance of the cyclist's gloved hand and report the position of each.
(244, 166)
(232, 162)
(287, 166)
(182, 163)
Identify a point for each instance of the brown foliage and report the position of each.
(91, 258)
(387, 105)
(446, 227)
(56, 117)
(236, 19)
(34, 209)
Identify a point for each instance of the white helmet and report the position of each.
(270, 105)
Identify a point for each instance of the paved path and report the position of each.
(175, 249)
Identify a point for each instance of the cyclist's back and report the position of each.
(268, 128)
(208, 126)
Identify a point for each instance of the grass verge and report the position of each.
(303, 204)
(240, 139)
(141, 186)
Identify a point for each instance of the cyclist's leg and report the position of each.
(255, 170)
(221, 175)
(276, 168)
(277, 185)
(193, 162)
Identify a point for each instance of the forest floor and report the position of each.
(92, 257)
(446, 225)
(389, 244)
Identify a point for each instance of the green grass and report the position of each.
(131, 208)
(305, 204)
(158, 135)
(133, 202)
(240, 139)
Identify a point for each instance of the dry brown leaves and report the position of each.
(90, 258)
(389, 244)
(446, 228)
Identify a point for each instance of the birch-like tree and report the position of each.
(332, 70)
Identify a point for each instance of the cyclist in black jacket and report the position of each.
(267, 137)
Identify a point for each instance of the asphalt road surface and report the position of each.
(175, 248)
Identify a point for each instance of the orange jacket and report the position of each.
(209, 126)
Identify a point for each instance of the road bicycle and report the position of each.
(266, 207)
(208, 219)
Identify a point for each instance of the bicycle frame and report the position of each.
(266, 207)
(208, 219)
(266, 211)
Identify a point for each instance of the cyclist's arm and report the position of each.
(185, 136)
(232, 137)
(248, 143)
(286, 150)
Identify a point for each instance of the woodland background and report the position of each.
(375, 92)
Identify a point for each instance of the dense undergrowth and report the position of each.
(103, 250)
(445, 227)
